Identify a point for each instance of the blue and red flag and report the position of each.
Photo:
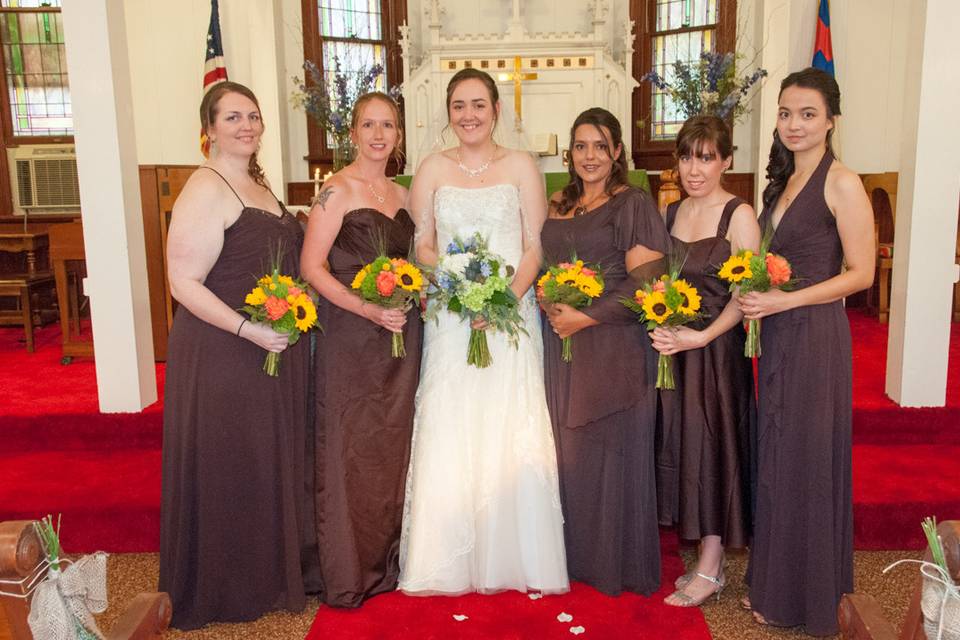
(822, 48)
(214, 69)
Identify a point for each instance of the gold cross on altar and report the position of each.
(518, 76)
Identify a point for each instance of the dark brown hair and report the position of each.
(208, 114)
(370, 96)
(600, 119)
(700, 130)
(470, 73)
(780, 166)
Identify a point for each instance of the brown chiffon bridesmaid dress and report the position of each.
(603, 404)
(801, 561)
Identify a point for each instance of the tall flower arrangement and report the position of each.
(711, 85)
(328, 98)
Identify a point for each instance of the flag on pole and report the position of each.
(214, 69)
(822, 48)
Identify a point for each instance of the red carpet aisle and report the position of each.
(58, 454)
(513, 615)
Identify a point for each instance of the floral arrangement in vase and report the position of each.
(711, 85)
(328, 98)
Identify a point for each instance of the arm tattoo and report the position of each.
(323, 197)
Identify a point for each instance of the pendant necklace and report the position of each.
(379, 198)
(473, 173)
(584, 208)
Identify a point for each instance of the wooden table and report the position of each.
(66, 243)
(25, 242)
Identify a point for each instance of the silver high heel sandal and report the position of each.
(688, 601)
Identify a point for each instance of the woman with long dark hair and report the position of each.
(603, 402)
(704, 458)
(801, 560)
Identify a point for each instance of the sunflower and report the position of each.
(690, 298)
(655, 307)
(304, 313)
(736, 268)
(589, 286)
(544, 279)
(409, 277)
(570, 276)
(360, 277)
(256, 297)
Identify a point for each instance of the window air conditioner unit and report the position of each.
(44, 179)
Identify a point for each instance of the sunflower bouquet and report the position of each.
(747, 271)
(571, 283)
(473, 282)
(283, 303)
(393, 283)
(668, 301)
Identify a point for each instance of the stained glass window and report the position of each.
(351, 34)
(35, 67)
(684, 29)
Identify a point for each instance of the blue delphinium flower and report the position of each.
(485, 269)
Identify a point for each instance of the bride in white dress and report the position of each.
(482, 509)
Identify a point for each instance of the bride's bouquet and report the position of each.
(472, 282)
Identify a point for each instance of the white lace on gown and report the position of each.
(482, 509)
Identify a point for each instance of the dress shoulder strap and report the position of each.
(724, 225)
(227, 182)
(672, 209)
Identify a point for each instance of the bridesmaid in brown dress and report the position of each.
(364, 397)
(233, 503)
(603, 403)
(703, 477)
(801, 561)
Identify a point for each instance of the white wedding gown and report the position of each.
(482, 508)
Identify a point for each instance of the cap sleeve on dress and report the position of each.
(639, 222)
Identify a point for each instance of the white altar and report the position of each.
(574, 71)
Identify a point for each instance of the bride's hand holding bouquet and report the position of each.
(474, 283)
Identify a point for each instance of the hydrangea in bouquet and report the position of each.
(472, 282)
(747, 271)
(393, 283)
(282, 303)
(668, 301)
(570, 283)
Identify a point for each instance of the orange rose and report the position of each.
(294, 291)
(386, 283)
(778, 269)
(588, 272)
(660, 286)
(276, 307)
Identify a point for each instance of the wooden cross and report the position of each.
(518, 76)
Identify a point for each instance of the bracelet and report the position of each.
(242, 322)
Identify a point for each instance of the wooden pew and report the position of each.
(861, 618)
(145, 618)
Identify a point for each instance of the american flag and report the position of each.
(214, 69)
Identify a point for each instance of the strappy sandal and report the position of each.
(689, 601)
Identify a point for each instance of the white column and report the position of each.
(924, 268)
(110, 202)
(775, 18)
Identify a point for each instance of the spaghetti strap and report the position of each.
(242, 203)
(672, 209)
(724, 225)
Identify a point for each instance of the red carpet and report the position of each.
(513, 615)
(58, 454)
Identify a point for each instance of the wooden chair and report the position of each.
(861, 618)
(145, 618)
(879, 185)
(24, 287)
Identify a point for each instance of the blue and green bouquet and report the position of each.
(472, 282)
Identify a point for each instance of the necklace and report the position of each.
(582, 209)
(379, 198)
(473, 173)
